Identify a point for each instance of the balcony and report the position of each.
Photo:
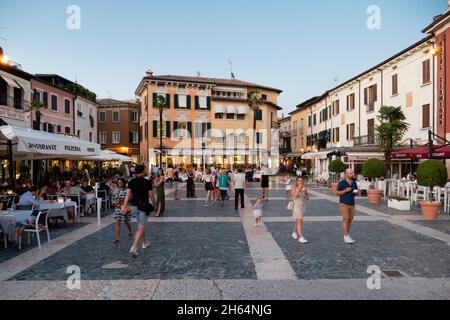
(285, 134)
(13, 102)
(301, 130)
(364, 140)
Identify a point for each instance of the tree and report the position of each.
(390, 131)
(36, 106)
(254, 101)
(160, 104)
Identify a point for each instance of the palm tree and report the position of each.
(36, 106)
(160, 104)
(390, 131)
(254, 100)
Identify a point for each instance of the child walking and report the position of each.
(257, 211)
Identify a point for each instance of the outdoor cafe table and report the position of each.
(8, 221)
(57, 209)
(89, 198)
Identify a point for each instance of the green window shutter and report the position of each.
(208, 127)
(168, 100)
(175, 128)
(189, 128)
(155, 97)
(197, 103)
(208, 103)
(188, 102)
(155, 129)
(167, 129)
(259, 115)
(177, 102)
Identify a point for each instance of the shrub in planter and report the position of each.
(431, 173)
(336, 167)
(374, 169)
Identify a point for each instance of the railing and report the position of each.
(285, 134)
(364, 140)
(13, 102)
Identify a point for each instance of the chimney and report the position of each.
(150, 72)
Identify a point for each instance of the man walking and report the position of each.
(346, 190)
(239, 188)
(140, 190)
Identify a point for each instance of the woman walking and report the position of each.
(209, 188)
(265, 183)
(299, 196)
(118, 198)
(190, 184)
(160, 196)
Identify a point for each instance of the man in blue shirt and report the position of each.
(346, 190)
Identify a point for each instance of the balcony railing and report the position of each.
(364, 140)
(13, 102)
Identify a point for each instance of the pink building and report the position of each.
(58, 114)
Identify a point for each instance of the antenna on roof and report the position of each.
(199, 74)
(231, 69)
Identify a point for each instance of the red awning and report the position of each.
(413, 153)
(442, 153)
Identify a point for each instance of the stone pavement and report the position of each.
(216, 252)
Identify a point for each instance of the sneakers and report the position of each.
(302, 240)
(145, 245)
(206, 205)
(349, 240)
(295, 235)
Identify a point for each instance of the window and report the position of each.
(78, 132)
(336, 135)
(264, 97)
(116, 137)
(54, 103)
(146, 131)
(203, 101)
(259, 115)
(230, 116)
(395, 84)
(38, 96)
(134, 117)
(135, 137)
(51, 128)
(240, 116)
(66, 106)
(350, 131)
(219, 115)
(102, 137)
(90, 111)
(314, 119)
(351, 102)
(426, 78)
(259, 138)
(241, 138)
(67, 130)
(426, 116)
(115, 116)
(336, 107)
(309, 121)
(90, 136)
(102, 116)
(370, 97)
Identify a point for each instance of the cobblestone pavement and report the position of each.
(216, 252)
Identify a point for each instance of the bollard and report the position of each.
(99, 209)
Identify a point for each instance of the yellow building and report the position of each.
(208, 121)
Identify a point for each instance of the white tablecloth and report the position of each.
(57, 209)
(90, 199)
(8, 221)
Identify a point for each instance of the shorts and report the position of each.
(119, 216)
(22, 224)
(347, 212)
(141, 217)
(209, 186)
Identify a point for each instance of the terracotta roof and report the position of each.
(113, 102)
(211, 81)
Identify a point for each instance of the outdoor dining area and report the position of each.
(31, 210)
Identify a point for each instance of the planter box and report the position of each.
(402, 205)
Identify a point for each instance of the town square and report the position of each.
(156, 163)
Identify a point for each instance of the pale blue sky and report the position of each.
(298, 46)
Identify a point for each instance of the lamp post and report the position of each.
(160, 136)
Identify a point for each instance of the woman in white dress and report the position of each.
(299, 196)
(287, 182)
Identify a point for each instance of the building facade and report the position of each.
(118, 127)
(208, 121)
(86, 119)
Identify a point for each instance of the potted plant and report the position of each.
(431, 173)
(374, 169)
(336, 167)
(399, 203)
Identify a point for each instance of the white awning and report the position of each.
(231, 109)
(108, 155)
(309, 156)
(33, 144)
(323, 154)
(10, 82)
(219, 108)
(363, 156)
(242, 110)
(216, 133)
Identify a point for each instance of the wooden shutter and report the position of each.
(130, 137)
(197, 103)
(175, 129)
(177, 102)
(155, 129)
(45, 98)
(155, 97)
(394, 84)
(188, 102)
(189, 128)
(426, 71)
(426, 116)
(259, 115)
(208, 128)
(375, 93)
(168, 101)
(208, 103)
(167, 129)
(366, 96)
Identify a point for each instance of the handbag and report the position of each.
(290, 205)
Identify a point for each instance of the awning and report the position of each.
(309, 156)
(217, 133)
(363, 156)
(242, 110)
(10, 82)
(323, 154)
(413, 153)
(108, 155)
(33, 144)
(219, 109)
(442, 153)
(231, 109)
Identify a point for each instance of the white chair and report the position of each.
(382, 186)
(421, 194)
(102, 194)
(79, 207)
(41, 217)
